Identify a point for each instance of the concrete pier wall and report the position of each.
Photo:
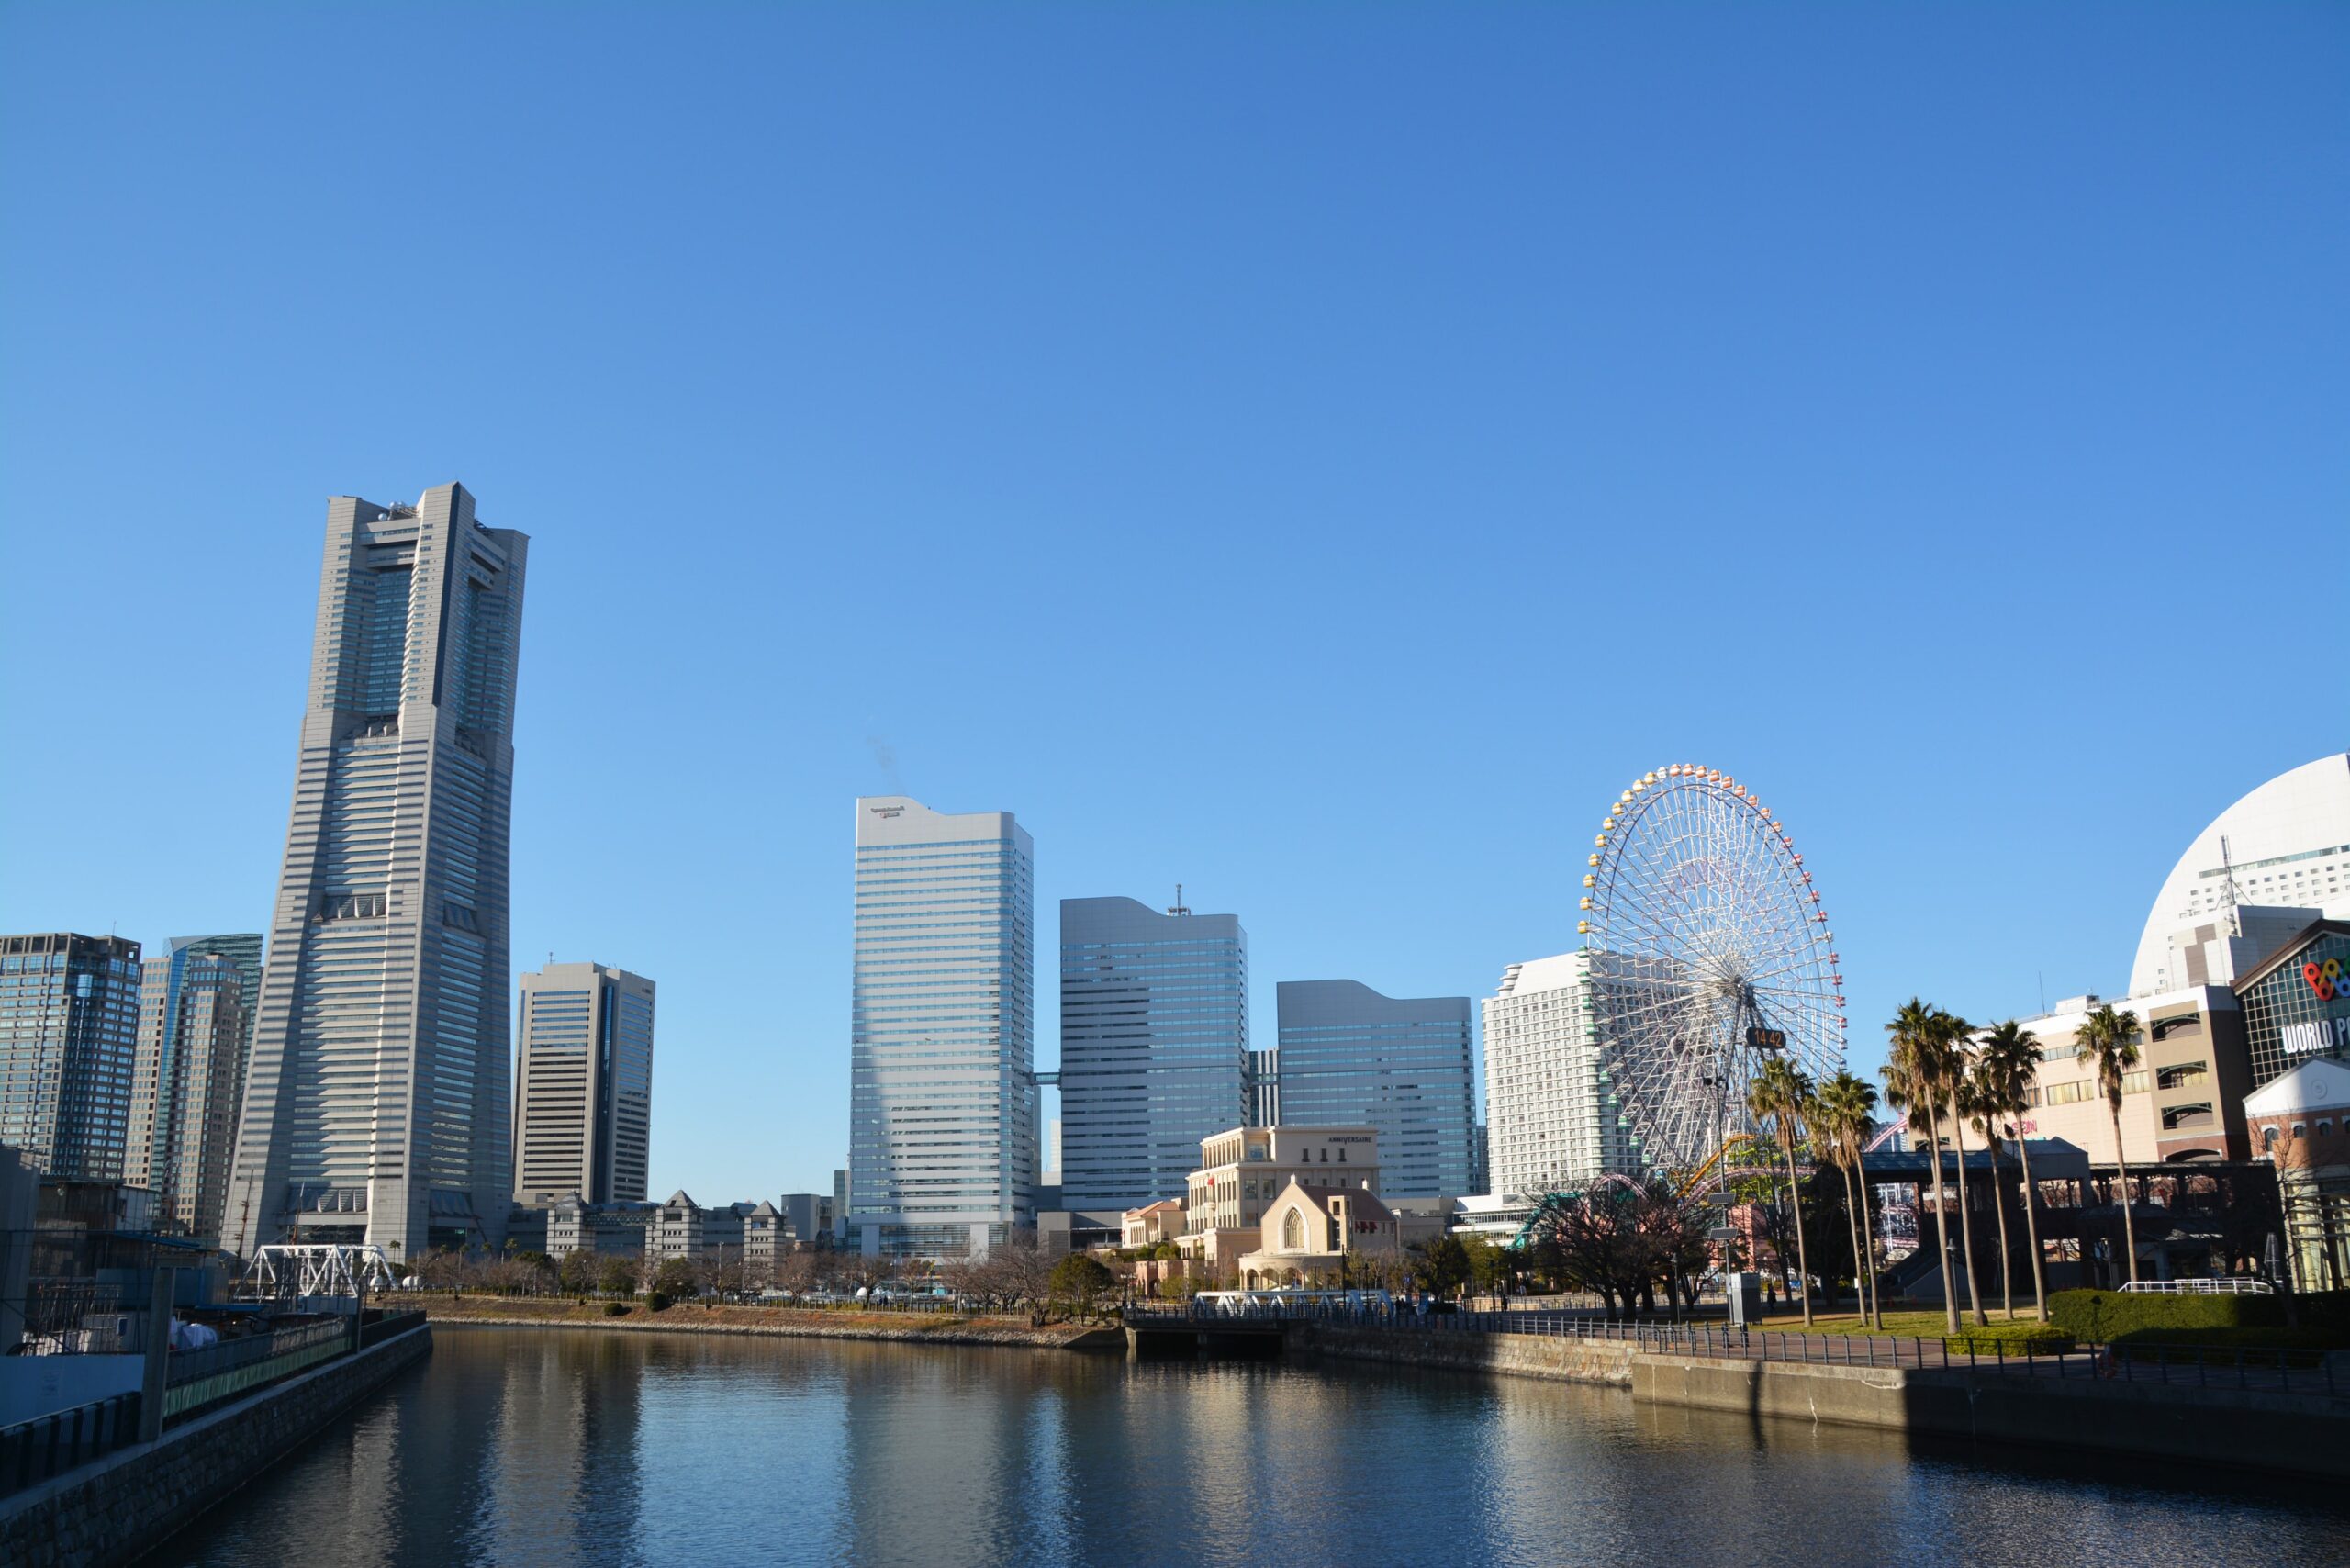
(2271, 1431)
(108, 1512)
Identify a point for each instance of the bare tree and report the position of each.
(1024, 1274)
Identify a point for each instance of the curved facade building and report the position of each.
(2288, 845)
(1154, 1046)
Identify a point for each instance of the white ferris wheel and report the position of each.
(1708, 954)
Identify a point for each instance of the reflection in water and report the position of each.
(533, 1447)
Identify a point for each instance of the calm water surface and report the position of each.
(543, 1446)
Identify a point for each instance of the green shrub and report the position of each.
(2219, 1347)
(617, 1309)
(2326, 1310)
(2096, 1317)
(2013, 1338)
(656, 1302)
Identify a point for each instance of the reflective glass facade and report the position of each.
(1403, 1066)
(69, 1030)
(194, 1035)
(942, 1080)
(2297, 1004)
(1154, 1048)
(377, 1103)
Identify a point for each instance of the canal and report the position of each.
(519, 1446)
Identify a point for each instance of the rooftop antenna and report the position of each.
(2228, 888)
(1178, 907)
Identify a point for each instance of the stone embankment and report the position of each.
(116, 1508)
(908, 1328)
(2264, 1429)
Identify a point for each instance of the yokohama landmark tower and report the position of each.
(376, 1100)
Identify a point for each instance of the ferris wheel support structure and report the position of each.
(1707, 954)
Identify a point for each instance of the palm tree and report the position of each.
(1975, 1102)
(2106, 1041)
(2005, 1063)
(1950, 1063)
(1912, 1084)
(1781, 1095)
(1841, 1117)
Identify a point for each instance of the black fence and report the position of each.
(196, 1382)
(47, 1445)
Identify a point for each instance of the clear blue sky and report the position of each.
(1318, 452)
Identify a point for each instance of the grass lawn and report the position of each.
(1904, 1325)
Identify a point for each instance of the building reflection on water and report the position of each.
(537, 1446)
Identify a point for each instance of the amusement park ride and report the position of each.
(1707, 954)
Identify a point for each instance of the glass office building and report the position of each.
(942, 1067)
(195, 1037)
(1404, 1066)
(69, 1033)
(377, 1102)
(1154, 1048)
(583, 1086)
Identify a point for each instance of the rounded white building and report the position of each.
(2288, 845)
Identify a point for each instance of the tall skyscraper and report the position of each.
(1154, 1046)
(1551, 1121)
(942, 1067)
(583, 1088)
(377, 1099)
(1404, 1065)
(69, 1032)
(189, 1075)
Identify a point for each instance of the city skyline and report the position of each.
(1420, 475)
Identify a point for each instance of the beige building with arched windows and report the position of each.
(1307, 1233)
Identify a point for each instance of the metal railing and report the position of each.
(389, 1326)
(2217, 1286)
(2181, 1365)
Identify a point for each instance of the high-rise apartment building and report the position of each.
(1154, 1046)
(583, 1086)
(1551, 1121)
(377, 1099)
(69, 1032)
(942, 1072)
(188, 1079)
(1404, 1065)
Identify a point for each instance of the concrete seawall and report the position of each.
(1518, 1355)
(882, 1330)
(2271, 1431)
(116, 1508)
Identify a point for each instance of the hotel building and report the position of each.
(1551, 1121)
(377, 1099)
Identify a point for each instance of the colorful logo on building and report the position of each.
(2324, 979)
